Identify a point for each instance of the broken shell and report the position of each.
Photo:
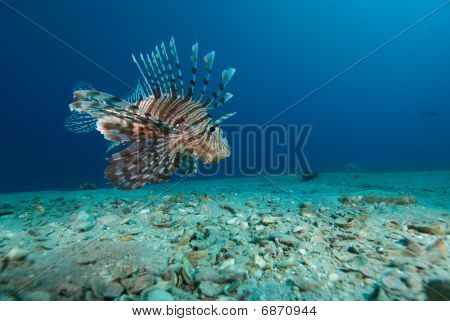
(440, 246)
(243, 225)
(227, 263)
(260, 262)
(437, 250)
(127, 238)
(233, 221)
(210, 289)
(305, 205)
(298, 229)
(288, 240)
(250, 204)
(267, 220)
(230, 288)
(141, 283)
(40, 209)
(172, 277)
(196, 256)
(162, 223)
(188, 271)
(228, 207)
(303, 284)
(307, 213)
(157, 295)
(345, 223)
(437, 229)
(414, 249)
(392, 224)
(235, 272)
(208, 274)
(17, 254)
(186, 237)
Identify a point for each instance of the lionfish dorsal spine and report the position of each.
(164, 73)
(137, 94)
(158, 88)
(149, 77)
(173, 50)
(160, 74)
(176, 92)
(194, 59)
(163, 77)
(209, 61)
(222, 100)
(218, 96)
(146, 85)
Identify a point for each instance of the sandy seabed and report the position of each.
(341, 236)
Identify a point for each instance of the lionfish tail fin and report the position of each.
(80, 123)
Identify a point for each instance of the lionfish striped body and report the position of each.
(165, 123)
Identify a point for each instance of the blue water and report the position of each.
(372, 116)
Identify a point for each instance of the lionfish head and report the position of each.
(217, 146)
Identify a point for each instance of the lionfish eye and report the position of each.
(212, 129)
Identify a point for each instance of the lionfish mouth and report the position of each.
(216, 158)
(208, 159)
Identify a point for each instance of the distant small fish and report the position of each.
(308, 176)
(165, 124)
(430, 113)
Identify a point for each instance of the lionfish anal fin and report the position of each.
(188, 166)
(142, 163)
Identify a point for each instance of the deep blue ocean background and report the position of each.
(373, 116)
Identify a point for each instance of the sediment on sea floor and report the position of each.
(364, 236)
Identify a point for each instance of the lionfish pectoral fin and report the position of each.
(224, 117)
(142, 163)
(117, 119)
(188, 166)
(121, 130)
(96, 102)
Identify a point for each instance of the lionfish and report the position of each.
(165, 124)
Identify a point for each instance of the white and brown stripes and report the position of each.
(164, 128)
